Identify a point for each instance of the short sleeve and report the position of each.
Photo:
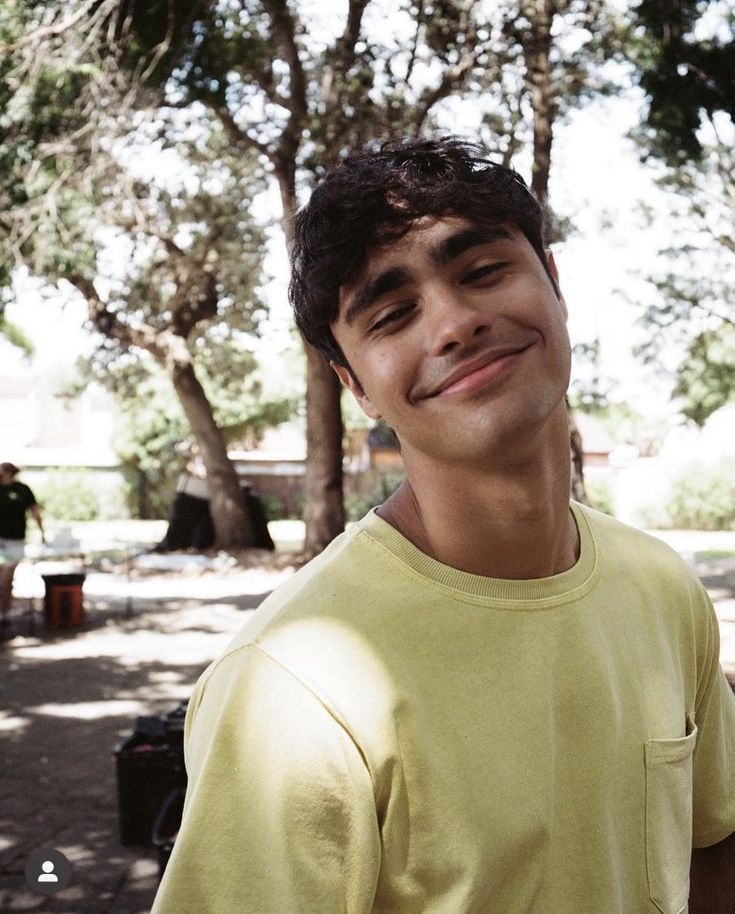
(280, 813)
(714, 753)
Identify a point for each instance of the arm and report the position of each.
(280, 813)
(36, 513)
(713, 878)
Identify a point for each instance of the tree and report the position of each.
(685, 59)
(298, 103)
(555, 80)
(191, 254)
(153, 438)
(297, 92)
(684, 53)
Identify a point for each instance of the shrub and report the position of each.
(67, 496)
(703, 497)
(374, 489)
(600, 494)
(273, 507)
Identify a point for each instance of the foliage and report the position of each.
(144, 208)
(273, 507)
(154, 441)
(706, 378)
(693, 311)
(245, 91)
(685, 55)
(14, 335)
(703, 497)
(685, 58)
(76, 495)
(372, 489)
(600, 494)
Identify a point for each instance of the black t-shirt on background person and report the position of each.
(15, 500)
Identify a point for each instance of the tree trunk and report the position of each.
(537, 50)
(323, 497)
(233, 526)
(324, 514)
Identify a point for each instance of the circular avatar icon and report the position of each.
(48, 871)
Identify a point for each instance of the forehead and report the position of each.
(425, 233)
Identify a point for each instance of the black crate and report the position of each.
(150, 764)
(166, 826)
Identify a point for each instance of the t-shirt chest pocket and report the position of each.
(669, 819)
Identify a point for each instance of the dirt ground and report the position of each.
(68, 697)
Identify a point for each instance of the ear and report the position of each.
(555, 279)
(352, 384)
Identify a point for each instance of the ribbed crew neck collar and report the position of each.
(536, 593)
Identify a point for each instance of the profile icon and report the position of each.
(47, 871)
(48, 874)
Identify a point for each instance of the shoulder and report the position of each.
(326, 588)
(319, 629)
(638, 549)
(644, 569)
(25, 492)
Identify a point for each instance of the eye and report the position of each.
(391, 317)
(481, 272)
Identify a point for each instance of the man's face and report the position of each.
(457, 337)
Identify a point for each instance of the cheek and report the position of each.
(386, 374)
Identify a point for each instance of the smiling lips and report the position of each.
(478, 373)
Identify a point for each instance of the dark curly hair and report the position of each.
(371, 199)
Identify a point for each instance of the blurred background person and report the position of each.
(16, 500)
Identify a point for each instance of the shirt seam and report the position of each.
(331, 712)
(507, 604)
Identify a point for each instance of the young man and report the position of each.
(16, 499)
(481, 699)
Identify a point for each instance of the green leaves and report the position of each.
(14, 335)
(685, 54)
(706, 378)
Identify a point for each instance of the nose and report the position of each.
(455, 324)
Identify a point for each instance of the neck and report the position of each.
(512, 522)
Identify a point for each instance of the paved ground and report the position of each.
(69, 697)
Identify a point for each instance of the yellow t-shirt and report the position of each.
(390, 735)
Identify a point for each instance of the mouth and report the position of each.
(480, 372)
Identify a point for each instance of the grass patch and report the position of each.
(715, 554)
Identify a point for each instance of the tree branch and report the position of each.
(284, 31)
(238, 136)
(163, 47)
(451, 78)
(108, 324)
(348, 39)
(196, 300)
(50, 31)
(414, 46)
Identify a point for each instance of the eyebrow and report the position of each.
(461, 241)
(447, 249)
(380, 285)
